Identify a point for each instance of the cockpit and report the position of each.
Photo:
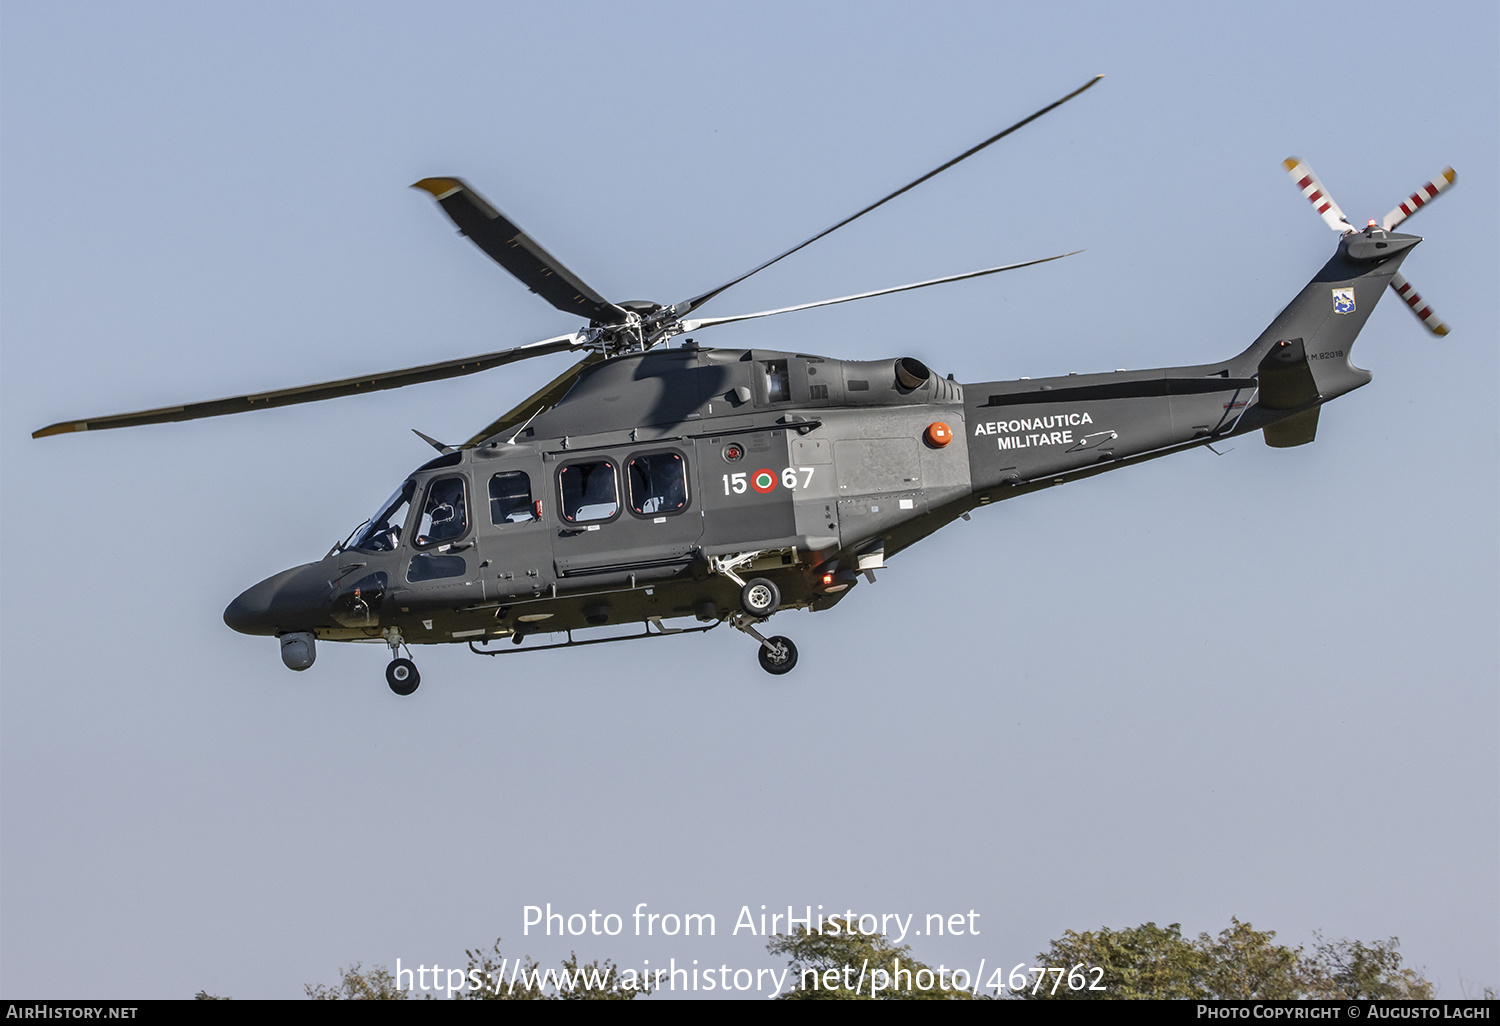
(444, 511)
(382, 532)
(444, 517)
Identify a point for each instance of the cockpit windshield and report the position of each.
(383, 532)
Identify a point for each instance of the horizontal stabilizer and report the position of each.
(1298, 429)
(1286, 383)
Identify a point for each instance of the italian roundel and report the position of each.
(764, 481)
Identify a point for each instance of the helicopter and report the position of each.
(650, 483)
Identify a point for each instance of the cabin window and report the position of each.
(510, 499)
(383, 531)
(444, 517)
(588, 491)
(778, 384)
(658, 483)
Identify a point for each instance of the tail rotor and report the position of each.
(1329, 211)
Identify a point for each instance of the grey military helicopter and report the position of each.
(650, 483)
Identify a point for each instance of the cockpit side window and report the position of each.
(588, 491)
(383, 532)
(444, 513)
(510, 498)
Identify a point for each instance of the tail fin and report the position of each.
(1318, 195)
(1302, 360)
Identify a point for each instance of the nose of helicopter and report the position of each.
(288, 601)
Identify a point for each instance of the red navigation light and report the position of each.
(938, 434)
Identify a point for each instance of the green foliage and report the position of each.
(1346, 969)
(1244, 962)
(356, 984)
(826, 967)
(1147, 961)
(595, 981)
(491, 965)
(1151, 961)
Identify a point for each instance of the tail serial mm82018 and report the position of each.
(651, 483)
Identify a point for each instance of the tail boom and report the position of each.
(1028, 432)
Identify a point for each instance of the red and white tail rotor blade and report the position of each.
(1418, 305)
(1318, 196)
(1417, 200)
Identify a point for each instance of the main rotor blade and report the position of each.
(1426, 194)
(709, 322)
(518, 252)
(541, 399)
(315, 393)
(1419, 307)
(690, 305)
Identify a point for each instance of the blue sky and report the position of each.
(1259, 685)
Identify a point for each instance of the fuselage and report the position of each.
(608, 507)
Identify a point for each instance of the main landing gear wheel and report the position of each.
(403, 677)
(782, 663)
(760, 598)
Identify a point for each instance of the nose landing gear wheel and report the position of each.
(403, 677)
(778, 664)
(760, 598)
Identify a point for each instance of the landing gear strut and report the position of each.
(758, 596)
(777, 654)
(401, 674)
